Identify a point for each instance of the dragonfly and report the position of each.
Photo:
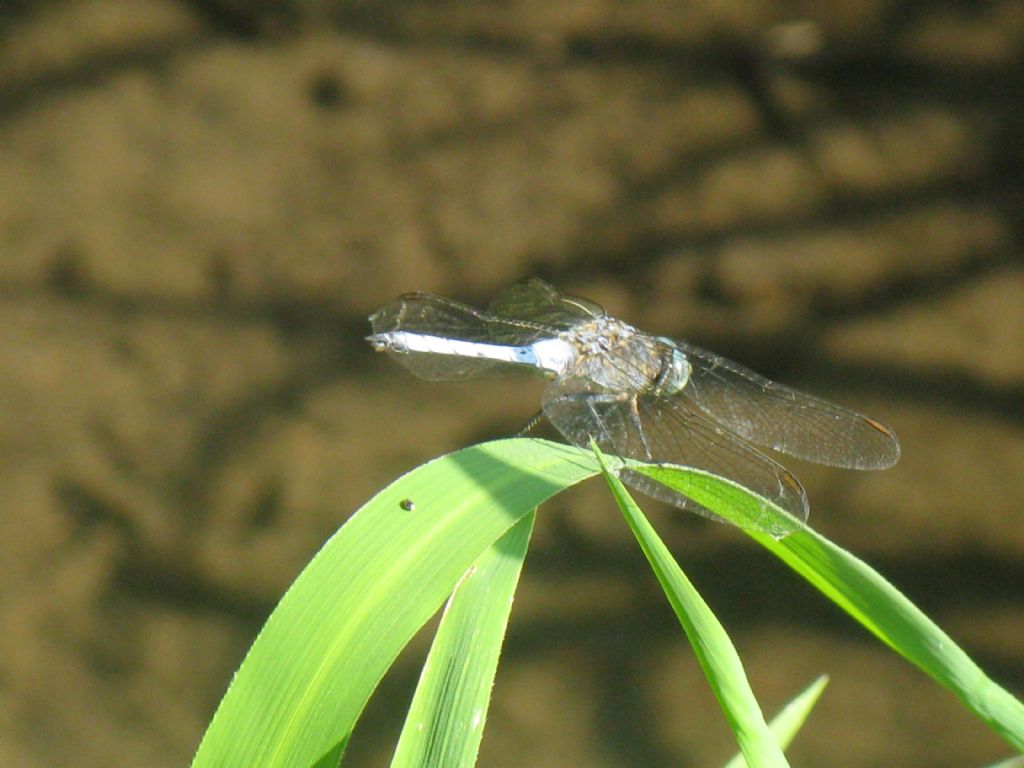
(641, 397)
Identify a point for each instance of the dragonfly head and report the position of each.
(675, 375)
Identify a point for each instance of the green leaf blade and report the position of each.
(872, 601)
(785, 725)
(446, 719)
(726, 498)
(715, 652)
(308, 675)
(875, 603)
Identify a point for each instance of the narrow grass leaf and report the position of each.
(790, 720)
(864, 594)
(711, 644)
(448, 711)
(308, 675)
(726, 498)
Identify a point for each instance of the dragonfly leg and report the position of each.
(634, 416)
(533, 422)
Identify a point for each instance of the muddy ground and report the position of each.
(201, 202)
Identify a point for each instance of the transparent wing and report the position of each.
(774, 416)
(535, 302)
(521, 314)
(436, 316)
(670, 430)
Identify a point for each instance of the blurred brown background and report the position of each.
(200, 202)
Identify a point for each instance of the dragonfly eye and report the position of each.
(679, 372)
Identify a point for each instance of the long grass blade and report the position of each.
(711, 644)
(448, 711)
(785, 725)
(307, 677)
(863, 593)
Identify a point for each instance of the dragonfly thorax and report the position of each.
(617, 357)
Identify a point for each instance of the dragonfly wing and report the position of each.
(431, 315)
(433, 367)
(778, 417)
(537, 302)
(672, 431)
